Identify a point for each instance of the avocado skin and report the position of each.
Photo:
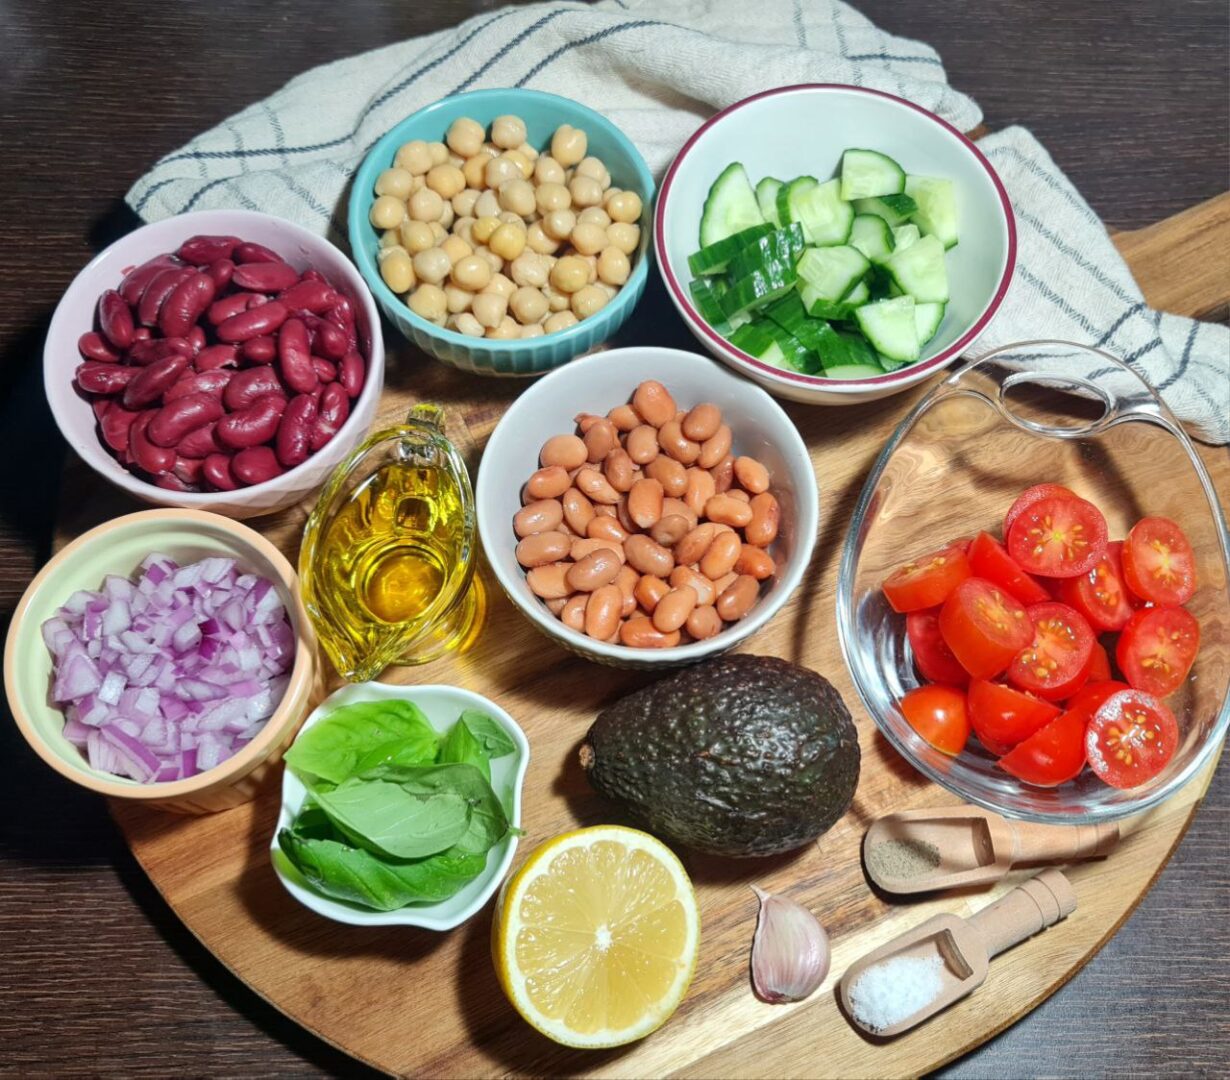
(741, 755)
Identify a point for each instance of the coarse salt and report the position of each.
(895, 989)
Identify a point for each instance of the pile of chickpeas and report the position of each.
(645, 529)
(491, 238)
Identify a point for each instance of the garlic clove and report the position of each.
(790, 950)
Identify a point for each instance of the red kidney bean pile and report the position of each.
(220, 366)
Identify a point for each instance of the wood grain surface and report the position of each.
(1130, 98)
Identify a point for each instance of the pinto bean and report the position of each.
(538, 517)
(716, 447)
(538, 549)
(602, 611)
(761, 530)
(737, 598)
(653, 403)
(578, 511)
(647, 557)
(639, 632)
(702, 422)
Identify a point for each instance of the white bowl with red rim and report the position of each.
(803, 130)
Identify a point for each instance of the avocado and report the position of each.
(739, 755)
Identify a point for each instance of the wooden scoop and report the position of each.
(976, 846)
(964, 947)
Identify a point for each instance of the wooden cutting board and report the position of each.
(418, 1003)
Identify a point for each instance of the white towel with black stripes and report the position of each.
(658, 68)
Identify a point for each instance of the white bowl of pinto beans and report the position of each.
(646, 507)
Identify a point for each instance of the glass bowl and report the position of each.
(1025, 414)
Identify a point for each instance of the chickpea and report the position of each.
(548, 171)
(464, 227)
(396, 269)
(464, 200)
(530, 268)
(524, 166)
(446, 180)
(483, 228)
(456, 249)
(506, 330)
(508, 132)
(540, 240)
(395, 182)
(501, 286)
(438, 153)
(387, 212)
(613, 266)
(528, 305)
(509, 218)
(532, 330)
(428, 302)
(625, 207)
(594, 215)
(472, 272)
(414, 157)
(529, 150)
(475, 170)
(588, 239)
(417, 183)
(426, 205)
(586, 191)
(390, 238)
(610, 290)
(551, 197)
(488, 205)
(465, 136)
(470, 326)
(558, 224)
(594, 168)
(623, 236)
(569, 274)
(517, 196)
(561, 320)
(447, 216)
(556, 300)
(508, 241)
(489, 309)
(456, 160)
(500, 169)
(568, 145)
(588, 301)
(495, 261)
(438, 232)
(415, 236)
(432, 266)
(591, 265)
(458, 299)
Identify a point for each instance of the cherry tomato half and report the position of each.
(1052, 755)
(984, 627)
(1002, 717)
(1158, 562)
(1028, 497)
(989, 559)
(1101, 595)
(926, 582)
(1130, 739)
(1058, 537)
(1089, 697)
(1157, 649)
(939, 715)
(1056, 663)
(1099, 666)
(932, 656)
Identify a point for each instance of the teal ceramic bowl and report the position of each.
(542, 114)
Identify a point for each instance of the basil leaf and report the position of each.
(461, 747)
(494, 739)
(333, 748)
(342, 872)
(396, 821)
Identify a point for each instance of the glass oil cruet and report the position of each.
(387, 562)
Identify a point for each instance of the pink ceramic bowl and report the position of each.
(75, 315)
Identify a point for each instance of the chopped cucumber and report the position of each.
(755, 339)
(790, 314)
(860, 294)
(927, 319)
(868, 174)
(708, 301)
(905, 235)
(731, 206)
(758, 288)
(853, 371)
(937, 207)
(895, 209)
(872, 236)
(715, 257)
(826, 220)
(818, 307)
(890, 365)
(796, 355)
(889, 326)
(833, 271)
(766, 196)
(789, 194)
(920, 271)
(779, 246)
(839, 349)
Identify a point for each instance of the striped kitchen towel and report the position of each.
(658, 68)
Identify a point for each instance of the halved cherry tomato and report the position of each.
(1052, 755)
(984, 627)
(989, 559)
(962, 542)
(1158, 562)
(1058, 537)
(939, 715)
(1028, 497)
(1130, 739)
(1002, 717)
(1099, 666)
(1056, 663)
(932, 656)
(926, 582)
(1101, 595)
(1089, 697)
(1157, 649)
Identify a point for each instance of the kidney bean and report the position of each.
(99, 407)
(250, 252)
(311, 275)
(312, 295)
(727, 509)
(325, 371)
(249, 384)
(220, 272)
(214, 357)
(670, 474)
(755, 561)
(723, 474)
(674, 609)
(702, 421)
(327, 340)
(93, 346)
(537, 517)
(150, 383)
(216, 472)
(264, 276)
(151, 350)
(670, 529)
(137, 279)
(221, 310)
(260, 350)
(647, 557)
(198, 382)
(572, 614)
(96, 377)
(602, 611)
(350, 372)
(704, 622)
(672, 440)
(639, 632)
(761, 530)
(172, 482)
(181, 415)
(653, 403)
(188, 469)
(605, 528)
(594, 485)
(645, 503)
(600, 439)
(332, 410)
(583, 547)
(253, 323)
(716, 447)
(115, 319)
(721, 555)
(295, 357)
(199, 443)
(701, 488)
(341, 314)
(547, 582)
(596, 569)
(142, 333)
(566, 451)
(256, 424)
(624, 418)
(156, 292)
(293, 442)
(187, 303)
(690, 549)
(203, 250)
(642, 444)
(255, 465)
(539, 549)
(737, 598)
(147, 456)
(114, 424)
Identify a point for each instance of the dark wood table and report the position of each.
(99, 977)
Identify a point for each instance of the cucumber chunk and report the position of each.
(868, 174)
(780, 246)
(790, 314)
(833, 271)
(818, 307)
(789, 194)
(708, 301)
(937, 207)
(905, 235)
(927, 319)
(853, 371)
(715, 257)
(872, 236)
(755, 339)
(920, 271)
(758, 288)
(889, 326)
(895, 209)
(796, 355)
(766, 197)
(819, 208)
(840, 349)
(730, 207)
